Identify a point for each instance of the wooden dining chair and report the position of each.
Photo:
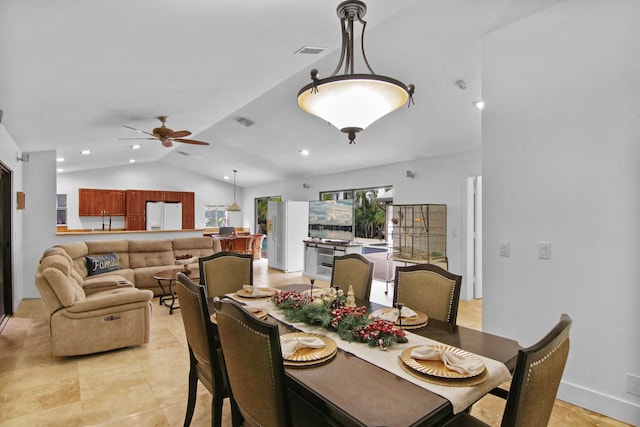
(353, 270)
(206, 363)
(535, 381)
(430, 289)
(251, 348)
(225, 272)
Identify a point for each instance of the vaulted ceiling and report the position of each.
(73, 73)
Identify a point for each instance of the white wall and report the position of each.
(39, 214)
(143, 176)
(8, 155)
(561, 164)
(437, 180)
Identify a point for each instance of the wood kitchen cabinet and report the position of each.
(136, 201)
(97, 202)
(135, 222)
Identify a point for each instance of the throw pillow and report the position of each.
(102, 264)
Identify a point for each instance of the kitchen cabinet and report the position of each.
(318, 257)
(97, 202)
(136, 201)
(135, 222)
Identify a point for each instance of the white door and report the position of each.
(173, 216)
(474, 235)
(154, 215)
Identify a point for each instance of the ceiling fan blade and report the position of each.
(138, 139)
(180, 133)
(138, 130)
(190, 141)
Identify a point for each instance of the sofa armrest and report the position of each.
(111, 298)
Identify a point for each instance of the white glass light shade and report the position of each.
(353, 100)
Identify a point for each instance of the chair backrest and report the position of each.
(242, 245)
(353, 270)
(256, 245)
(537, 377)
(226, 231)
(225, 272)
(255, 370)
(201, 335)
(430, 289)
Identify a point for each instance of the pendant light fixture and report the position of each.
(351, 101)
(234, 207)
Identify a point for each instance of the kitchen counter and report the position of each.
(85, 232)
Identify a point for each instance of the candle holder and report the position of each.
(399, 306)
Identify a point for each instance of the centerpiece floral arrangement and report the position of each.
(330, 311)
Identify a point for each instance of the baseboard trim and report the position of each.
(612, 407)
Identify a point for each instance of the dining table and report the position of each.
(365, 386)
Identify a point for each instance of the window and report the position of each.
(61, 209)
(215, 216)
(370, 207)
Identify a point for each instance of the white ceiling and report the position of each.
(72, 73)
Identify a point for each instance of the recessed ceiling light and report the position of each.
(135, 146)
(304, 152)
(60, 170)
(85, 152)
(132, 160)
(60, 159)
(226, 177)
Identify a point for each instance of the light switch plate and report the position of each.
(544, 250)
(505, 248)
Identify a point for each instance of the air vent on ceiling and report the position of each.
(244, 121)
(184, 153)
(310, 50)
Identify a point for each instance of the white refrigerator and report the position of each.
(287, 227)
(164, 216)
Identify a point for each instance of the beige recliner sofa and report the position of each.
(83, 324)
(91, 313)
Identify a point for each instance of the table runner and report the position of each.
(460, 397)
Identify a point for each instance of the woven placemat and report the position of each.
(449, 382)
(311, 354)
(410, 327)
(268, 292)
(292, 364)
(418, 321)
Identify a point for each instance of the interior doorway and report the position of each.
(474, 235)
(6, 274)
(261, 209)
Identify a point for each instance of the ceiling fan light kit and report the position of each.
(351, 101)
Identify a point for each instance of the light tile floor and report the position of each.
(147, 385)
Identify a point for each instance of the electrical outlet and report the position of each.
(505, 248)
(544, 250)
(633, 385)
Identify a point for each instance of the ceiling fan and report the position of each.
(167, 136)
